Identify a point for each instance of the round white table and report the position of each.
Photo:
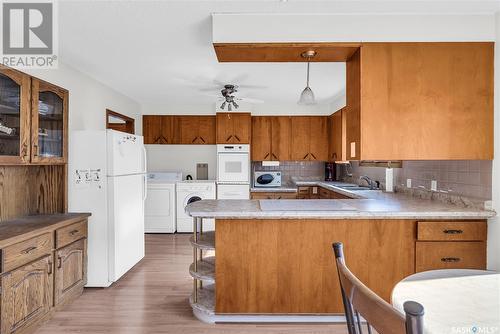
(456, 301)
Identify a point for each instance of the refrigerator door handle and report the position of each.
(144, 161)
(145, 187)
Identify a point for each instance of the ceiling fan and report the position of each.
(229, 99)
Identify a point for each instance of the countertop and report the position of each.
(365, 204)
(37, 224)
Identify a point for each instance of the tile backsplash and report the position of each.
(295, 169)
(470, 178)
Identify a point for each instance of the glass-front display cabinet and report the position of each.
(14, 117)
(49, 119)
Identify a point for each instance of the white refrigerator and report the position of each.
(107, 177)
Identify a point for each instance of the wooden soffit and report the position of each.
(284, 52)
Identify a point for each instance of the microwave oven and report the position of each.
(267, 179)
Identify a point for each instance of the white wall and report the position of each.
(89, 99)
(166, 158)
(493, 225)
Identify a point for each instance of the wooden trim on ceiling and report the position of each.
(284, 52)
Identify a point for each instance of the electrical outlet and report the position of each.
(434, 185)
(408, 183)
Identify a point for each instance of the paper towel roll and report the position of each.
(389, 180)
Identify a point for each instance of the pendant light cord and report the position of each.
(307, 74)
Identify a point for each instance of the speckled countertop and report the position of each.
(365, 204)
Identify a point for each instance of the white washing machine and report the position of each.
(188, 192)
(160, 209)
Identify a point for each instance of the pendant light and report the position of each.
(307, 95)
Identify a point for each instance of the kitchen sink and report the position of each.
(354, 188)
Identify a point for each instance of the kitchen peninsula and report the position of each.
(274, 262)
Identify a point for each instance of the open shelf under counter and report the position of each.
(204, 307)
(206, 241)
(205, 271)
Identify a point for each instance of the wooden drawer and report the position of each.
(23, 252)
(452, 231)
(324, 193)
(274, 195)
(450, 255)
(71, 233)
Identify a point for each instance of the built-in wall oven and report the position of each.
(233, 171)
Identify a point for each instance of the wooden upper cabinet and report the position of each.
(309, 138)
(318, 144)
(233, 128)
(152, 129)
(281, 134)
(195, 130)
(187, 130)
(335, 137)
(424, 101)
(26, 295)
(261, 138)
(301, 134)
(170, 129)
(15, 88)
(352, 111)
(206, 129)
(49, 122)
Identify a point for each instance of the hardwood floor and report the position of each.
(153, 298)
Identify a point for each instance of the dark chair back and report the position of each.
(359, 301)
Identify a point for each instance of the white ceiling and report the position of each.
(160, 52)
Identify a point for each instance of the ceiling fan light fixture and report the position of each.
(307, 95)
(236, 105)
(223, 105)
(229, 108)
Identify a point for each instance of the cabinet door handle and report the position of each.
(274, 156)
(165, 139)
(73, 232)
(49, 268)
(237, 138)
(194, 140)
(28, 250)
(305, 156)
(265, 157)
(313, 156)
(450, 259)
(279, 197)
(453, 231)
(59, 262)
(228, 138)
(157, 140)
(203, 140)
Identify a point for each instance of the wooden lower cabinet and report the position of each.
(43, 277)
(274, 195)
(286, 266)
(450, 255)
(71, 271)
(26, 295)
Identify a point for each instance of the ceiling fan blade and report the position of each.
(248, 100)
(243, 86)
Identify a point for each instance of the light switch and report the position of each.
(434, 185)
(408, 183)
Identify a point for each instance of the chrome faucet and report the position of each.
(371, 183)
